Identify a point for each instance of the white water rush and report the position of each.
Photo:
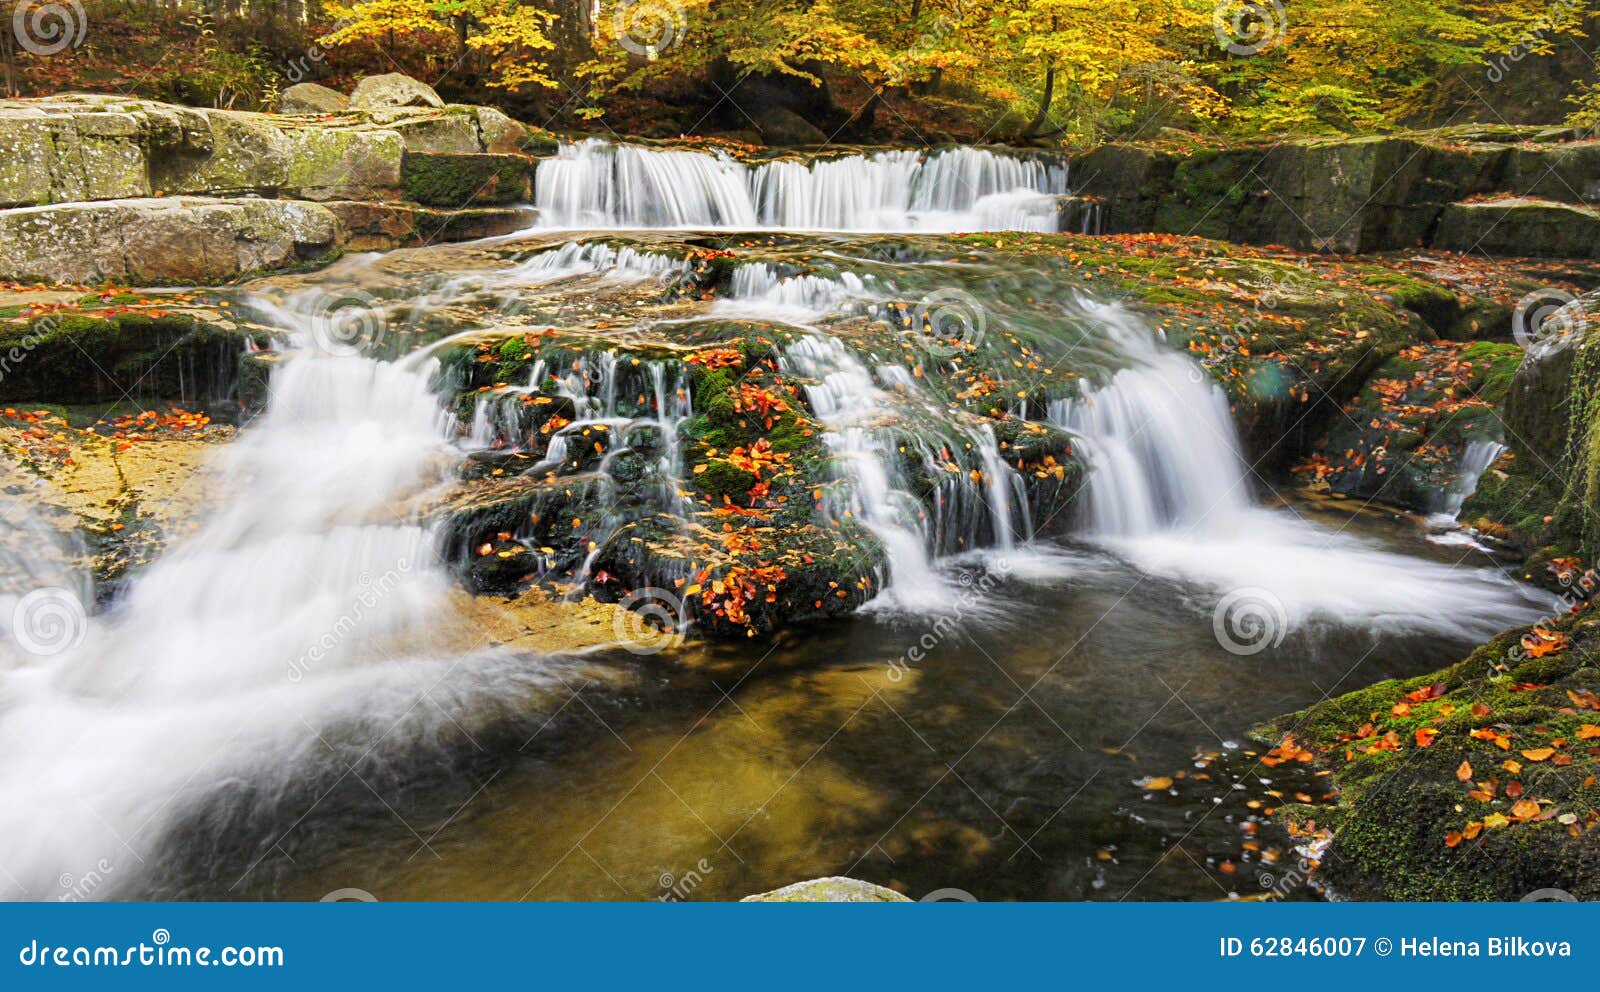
(596, 184)
(1168, 489)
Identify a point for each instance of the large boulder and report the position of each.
(312, 98)
(834, 889)
(781, 126)
(432, 131)
(161, 240)
(248, 154)
(498, 132)
(344, 164)
(47, 158)
(392, 90)
(1521, 226)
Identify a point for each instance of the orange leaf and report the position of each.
(1464, 773)
(1539, 753)
(1425, 736)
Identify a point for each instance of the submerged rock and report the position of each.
(834, 889)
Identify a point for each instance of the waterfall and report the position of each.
(860, 418)
(846, 400)
(298, 628)
(1158, 441)
(596, 184)
(762, 291)
(1475, 460)
(1168, 490)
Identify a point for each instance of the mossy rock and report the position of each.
(86, 359)
(1431, 806)
(450, 180)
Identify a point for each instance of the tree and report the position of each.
(513, 34)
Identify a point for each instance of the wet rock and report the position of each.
(834, 889)
(1500, 802)
(312, 98)
(1343, 194)
(392, 89)
(1406, 437)
(86, 356)
(371, 226)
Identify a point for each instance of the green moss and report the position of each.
(440, 179)
(83, 358)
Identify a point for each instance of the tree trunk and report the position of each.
(1045, 99)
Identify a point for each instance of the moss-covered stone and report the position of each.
(453, 180)
(340, 164)
(1476, 782)
(89, 357)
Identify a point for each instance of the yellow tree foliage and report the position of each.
(511, 34)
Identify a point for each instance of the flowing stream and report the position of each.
(299, 698)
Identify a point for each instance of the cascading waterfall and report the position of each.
(618, 409)
(762, 291)
(859, 416)
(298, 628)
(1475, 460)
(1168, 489)
(596, 184)
(845, 399)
